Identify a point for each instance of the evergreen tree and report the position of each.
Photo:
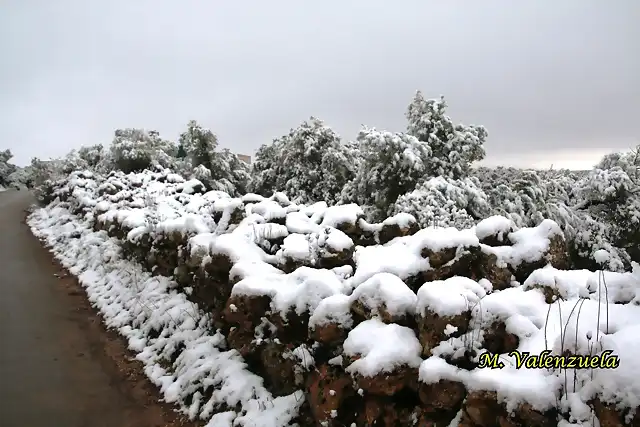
(453, 147)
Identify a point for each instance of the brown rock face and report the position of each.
(246, 311)
(498, 340)
(242, 341)
(388, 413)
(449, 263)
(610, 416)
(293, 328)
(487, 267)
(526, 416)
(328, 334)
(327, 389)
(501, 238)
(388, 232)
(482, 408)
(388, 383)
(444, 395)
(431, 328)
(362, 311)
(556, 255)
(439, 258)
(280, 373)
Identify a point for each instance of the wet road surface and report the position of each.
(59, 367)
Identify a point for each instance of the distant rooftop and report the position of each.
(244, 158)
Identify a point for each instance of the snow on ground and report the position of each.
(583, 320)
(135, 304)
(381, 348)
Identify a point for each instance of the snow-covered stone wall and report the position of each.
(309, 314)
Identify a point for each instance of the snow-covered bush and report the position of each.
(136, 149)
(309, 164)
(6, 168)
(218, 170)
(391, 165)
(453, 147)
(572, 199)
(93, 155)
(445, 202)
(610, 194)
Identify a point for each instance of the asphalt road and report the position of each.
(59, 367)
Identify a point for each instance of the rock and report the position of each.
(293, 328)
(364, 312)
(439, 258)
(610, 416)
(327, 389)
(556, 253)
(329, 333)
(444, 395)
(431, 328)
(449, 263)
(246, 311)
(498, 341)
(242, 341)
(388, 383)
(494, 231)
(489, 267)
(386, 412)
(390, 230)
(526, 416)
(482, 408)
(280, 373)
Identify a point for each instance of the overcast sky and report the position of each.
(553, 81)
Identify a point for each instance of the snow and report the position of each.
(299, 222)
(135, 303)
(596, 311)
(296, 246)
(610, 286)
(388, 291)
(268, 209)
(343, 214)
(302, 290)
(601, 256)
(437, 239)
(495, 225)
(186, 224)
(333, 309)
(531, 244)
(336, 240)
(381, 348)
(314, 246)
(236, 247)
(402, 220)
(449, 297)
(397, 258)
(567, 283)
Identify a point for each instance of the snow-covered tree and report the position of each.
(309, 164)
(21, 178)
(93, 155)
(611, 195)
(567, 197)
(6, 168)
(199, 145)
(267, 169)
(218, 170)
(445, 202)
(390, 165)
(453, 147)
(137, 149)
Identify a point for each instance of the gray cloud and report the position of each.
(549, 80)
